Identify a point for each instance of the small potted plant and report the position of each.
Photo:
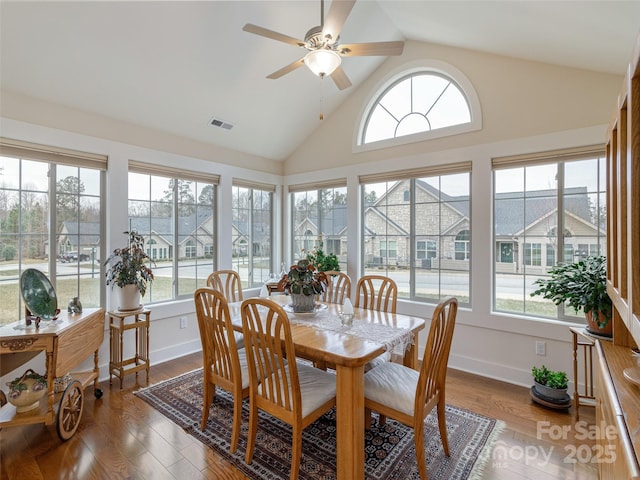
(303, 283)
(583, 286)
(550, 384)
(324, 262)
(129, 269)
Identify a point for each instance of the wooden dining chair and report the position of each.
(338, 287)
(407, 395)
(296, 393)
(224, 364)
(379, 293)
(228, 282)
(376, 292)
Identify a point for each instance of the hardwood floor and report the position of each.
(120, 436)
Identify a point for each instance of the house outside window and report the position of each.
(37, 187)
(252, 226)
(175, 211)
(414, 241)
(319, 218)
(534, 199)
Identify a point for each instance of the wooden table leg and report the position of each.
(350, 422)
(410, 358)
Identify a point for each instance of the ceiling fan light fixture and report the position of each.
(322, 62)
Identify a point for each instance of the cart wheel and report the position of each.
(97, 393)
(70, 410)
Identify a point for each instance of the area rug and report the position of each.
(389, 450)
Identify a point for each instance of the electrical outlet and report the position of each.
(541, 348)
(183, 322)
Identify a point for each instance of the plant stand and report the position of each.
(562, 404)
(118, 365)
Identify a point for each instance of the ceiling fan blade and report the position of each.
(265, 32)
(340, 79)
(338, 13)
(289, 68)
(368, 49)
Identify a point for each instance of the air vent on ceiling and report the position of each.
(216, 122)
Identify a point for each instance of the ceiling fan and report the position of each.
(325, 53)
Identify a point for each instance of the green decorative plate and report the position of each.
(38, 294)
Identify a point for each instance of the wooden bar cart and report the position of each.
(67, 342)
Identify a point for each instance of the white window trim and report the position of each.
(435, 66)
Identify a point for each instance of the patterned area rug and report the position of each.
(389, 450)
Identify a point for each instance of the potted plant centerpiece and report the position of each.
(550, 384)
(582, 285)
(129, 269)
(303, 283)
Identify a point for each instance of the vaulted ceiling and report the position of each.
(173, 66)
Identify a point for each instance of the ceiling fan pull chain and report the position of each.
(322, 97)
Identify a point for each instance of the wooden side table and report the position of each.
(118, 365)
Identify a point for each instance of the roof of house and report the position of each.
(83, 233)
(512, 209)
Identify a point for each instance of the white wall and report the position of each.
(527, 107)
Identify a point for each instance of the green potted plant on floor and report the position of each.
(550, 384)
(583, 286)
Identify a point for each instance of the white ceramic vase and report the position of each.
(129, 298)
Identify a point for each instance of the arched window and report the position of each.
(190, 249)
(152, 249)
(462, 245)
(419, 104)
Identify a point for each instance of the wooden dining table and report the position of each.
(321, 338)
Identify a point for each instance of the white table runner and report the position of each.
(393, 338)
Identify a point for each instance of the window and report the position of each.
(51, 219)
(388, 249)
(319, 219)
(462, 245)
(420, 240)
(426, 249)
(534, 199)
(190, 249)
(175, 211)
(421, 103)
(252, 225)
(333, 245)
(533, 254)
(551, 255)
